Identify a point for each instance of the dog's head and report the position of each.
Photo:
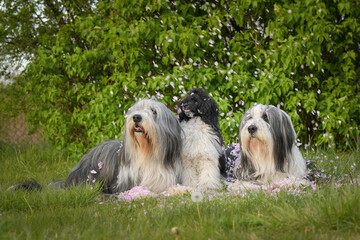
(267, 130)
(152, 127)
(141, 117)
(198, 104)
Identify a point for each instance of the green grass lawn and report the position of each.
(332, 211)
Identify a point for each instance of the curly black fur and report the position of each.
(200, 104)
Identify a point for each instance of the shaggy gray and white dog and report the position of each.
(202, 155)
(148, 156)
(268, 146)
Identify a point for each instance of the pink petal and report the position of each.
(100, 165)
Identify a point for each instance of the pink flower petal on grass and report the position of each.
(136, 193)
(93, 172)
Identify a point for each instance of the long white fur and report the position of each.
(146, 151)
(260, 148)
(200, 154)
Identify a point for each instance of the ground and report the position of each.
(327, 210)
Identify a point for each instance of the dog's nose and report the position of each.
(252, 129)
(137, 118)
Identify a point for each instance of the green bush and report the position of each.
(301, 55)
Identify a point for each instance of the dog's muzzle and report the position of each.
(137, 119)
(252, 129)
(185, 107)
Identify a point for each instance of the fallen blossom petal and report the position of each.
(100, 165)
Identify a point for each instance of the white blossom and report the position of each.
(197, 197)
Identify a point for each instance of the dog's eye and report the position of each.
(265, 117)
(153, 110)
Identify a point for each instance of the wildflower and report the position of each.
(276, 190)
(197, 197)
(175, 230)
(93, 172)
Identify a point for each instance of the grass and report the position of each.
(332, 211)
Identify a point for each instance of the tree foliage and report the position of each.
(91, 61)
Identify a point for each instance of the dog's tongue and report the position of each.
(186, 110)
(139, 129)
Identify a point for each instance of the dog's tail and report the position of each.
(33, 185)
(100, 164)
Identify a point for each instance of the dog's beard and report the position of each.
(189, 113)
(255, 145)
(139, 129)
(140, 136)
(142, 140)
(256, 148)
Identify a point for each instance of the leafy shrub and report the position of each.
(302, 56)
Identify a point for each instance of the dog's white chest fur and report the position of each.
(200, 154)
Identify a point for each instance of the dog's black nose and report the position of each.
(252, 129)
(137, 118)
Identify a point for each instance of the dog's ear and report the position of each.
(208, 106)
(288, 130)
(170, 137)
(284, 136)
(208, 110)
